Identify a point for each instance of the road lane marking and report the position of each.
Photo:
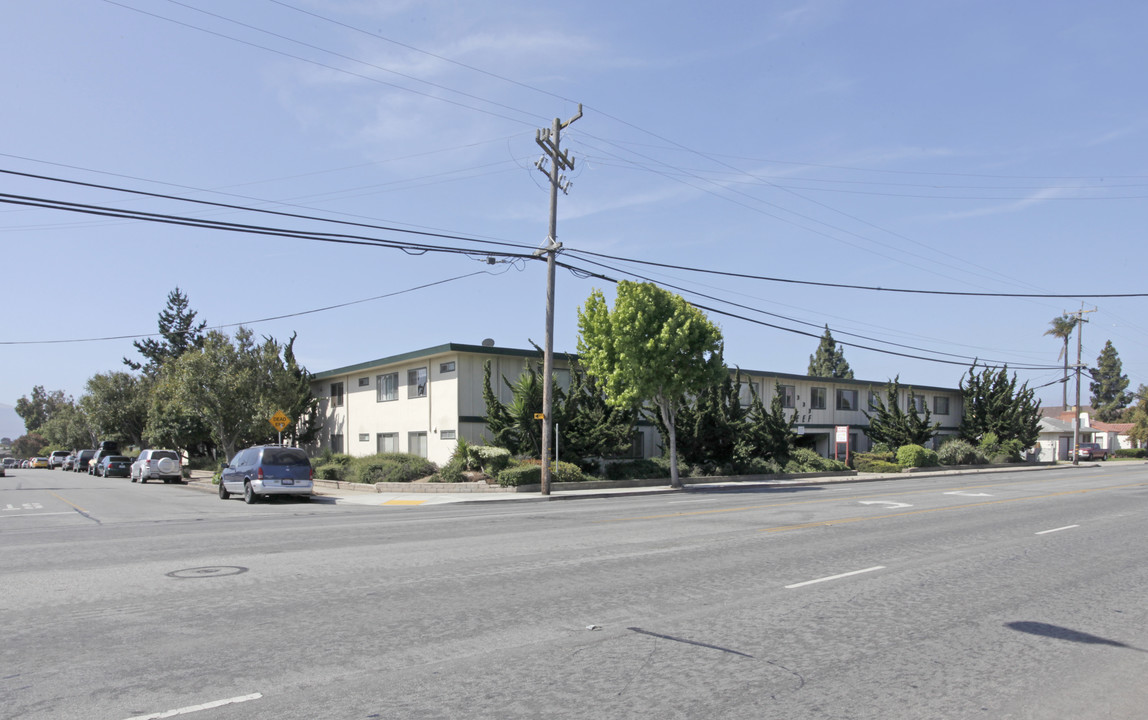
(828, 523)
(36, 514)
(404, 502)
(833, 577)
(197, 708)
(70, 504)
(1066, 527)
(887, 503)
(968, 494)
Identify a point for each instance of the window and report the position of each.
(337, 394)
(940, 405)
(847, 400)
(365, 381)
(446, 367)
(788, 396)
(817, 398)
(387, 387)
(874, 400)
(447, 435)
(417, 443)
(387, 442)
(364, 437)
(745, 392)
(337, 442)
(917, 402)
(417, 383)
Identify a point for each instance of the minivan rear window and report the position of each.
(285, 456)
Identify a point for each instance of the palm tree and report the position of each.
(1062, 328)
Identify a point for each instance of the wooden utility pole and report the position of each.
(1079, 344)
(550, 142)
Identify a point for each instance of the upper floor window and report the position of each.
(817, 398)
(940, 405)
(337, 394)
(387, 387)
(916, 401)
(365, 381)
(446, 367)
(417, 383)
(788, 396)
(847, 400)
(874, 399)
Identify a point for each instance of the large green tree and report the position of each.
(39, 409)
(1109, 385)
(994, 403)
(116, 404)
(710, 423)
(69, 428)
(891, 425)
(829, 360)
(178, 333)
(767, 434)
(1061, 328)
(1137, 414)
(653, 347)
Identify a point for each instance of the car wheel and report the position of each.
(223, 494)
(143, 479)
(249, 494)
(133, 477)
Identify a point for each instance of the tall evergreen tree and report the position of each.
(891, 425)
(710, 423)
(994, 403)
(179, 333)
(1062, 328)
(1109, 385)
(767, 435)
(829, 360)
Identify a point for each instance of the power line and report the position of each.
(253, 322)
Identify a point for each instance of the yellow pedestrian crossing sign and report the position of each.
(280, 421)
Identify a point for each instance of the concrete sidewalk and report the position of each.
(201, 480)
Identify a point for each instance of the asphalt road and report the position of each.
(1018, 595)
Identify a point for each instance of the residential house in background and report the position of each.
(423, 401)
(1056, 432)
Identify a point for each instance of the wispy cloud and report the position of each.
(1034, 198)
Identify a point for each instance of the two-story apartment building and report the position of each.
(421, 402)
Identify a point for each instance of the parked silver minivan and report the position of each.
(267, 470)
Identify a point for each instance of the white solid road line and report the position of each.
(833, 577)
(197, 708)
(6, 515)
(1066, 527)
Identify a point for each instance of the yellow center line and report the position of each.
(67, 502)
(842, 521)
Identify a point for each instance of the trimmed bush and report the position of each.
(959, 452)
(331, 471)
(390, 467)
(635, 470)
(492, 460)
(1132, 453)
(758, 466)
(452, 472)
(916, 456)
(804, 460)
(517, 475)
(881, 466)
(863, 462)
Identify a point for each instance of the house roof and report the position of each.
(1054, 425)
(1119, 428)
(519, 352)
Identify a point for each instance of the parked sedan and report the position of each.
(114, 466)
(40, 462)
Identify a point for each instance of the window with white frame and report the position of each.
(417, 383)
(940, 405)
(364, 437)
(365, 381)
(337, 394)
(417, 443)
(847, 400)
(817, 398)
(446, 367)
(387, 442)
(446, 434)
(387, 387)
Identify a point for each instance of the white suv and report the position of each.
(56, 459)
(162, 464)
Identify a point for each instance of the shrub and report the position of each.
(331, 471)
(1132, 453)
(863, 462)
(328, 458)
(881, 466)
(916, 456)
(390, 467)
(635, 470)
(517, 475)
(959, 452)
(452, 472)
(804, 460)
(492, 460)
(880, 447)
(990, 445)
(758, 466)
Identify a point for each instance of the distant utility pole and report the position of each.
(549, 140)
(1079, 344)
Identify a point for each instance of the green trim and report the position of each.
(471, 419)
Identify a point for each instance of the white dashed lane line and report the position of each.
(197, 708)
(833, 577)
(1066, 527)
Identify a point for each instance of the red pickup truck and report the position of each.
(1091, 451)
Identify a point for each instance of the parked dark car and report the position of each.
(107, 447)
(114, 466)
(267, 470)
(83, 457)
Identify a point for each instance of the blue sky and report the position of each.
(944, 145)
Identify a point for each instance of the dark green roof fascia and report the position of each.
(428, 352)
